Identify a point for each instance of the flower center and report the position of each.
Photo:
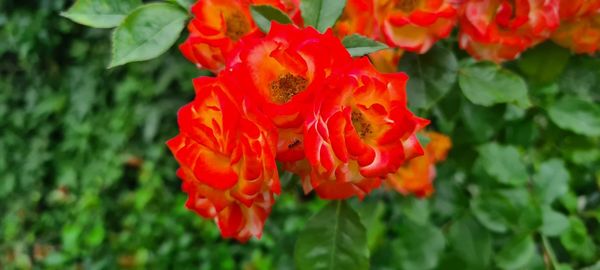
(286, 87)
(237, 26)
(362, 127)
(407, 5)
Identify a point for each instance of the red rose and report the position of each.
(358, 18)
(417, 175)
(499, 30)
(226, 152)
(416, 25)
(580, 27)
(358, 131)
(410, 25)
(217, 26)
(282, 72)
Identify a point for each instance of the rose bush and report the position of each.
(88, 182)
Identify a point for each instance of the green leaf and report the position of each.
(545, 62)
(358, 45)
(486, 84)
(503, 163)
(554, 223)
(593, 267)
(581, 77)
(577, 115)
(516, 253)
(263, 15)
(100, 13)
(552, 180)
(432, 75)
(577, 241)
(187, 4)
(471, 242)
(493, 211)
(481, 122)
(321, 14)
(333, 239)
(372, 217)
(418, 246)
(147, 32)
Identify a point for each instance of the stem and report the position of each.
(550, 252)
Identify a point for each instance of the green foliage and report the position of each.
(333, 239)
(432, 76)
(577, 115)
(358, 45)
(487, 84)
(147, 32)
(101, 14)
(86, 181)
(471, 242)
(321, 14)
(263, 15)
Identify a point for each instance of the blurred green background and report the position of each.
(86, 181)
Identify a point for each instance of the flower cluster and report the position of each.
(500, 30)
(580, 27)
(413, 25)
(495, 30)
(295, 96)
(417, 176)
(219, 24)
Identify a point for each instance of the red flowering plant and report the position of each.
(341, 125)
(499, 30)
(226, 149)
(335, 96)
(580, 27)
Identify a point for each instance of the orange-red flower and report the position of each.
(226, 152)
(358, 131)
(413, 25)
(216, 27)
(282, 72)
(387, 60)
(358, 18)
(499, 30)
(416, 177)
(580, 26)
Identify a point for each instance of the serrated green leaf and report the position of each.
(321, 14)
(100, 13)
(372, 217)
(577, 115)
(358, 45)
(503, 163)
(418, 246)
(333, 239)
(431, 76)
(187, 4)
(551, 181)
(147, 32)
(554, 223)
(481, 122)
(493, 211)
(471, 242)
(263, 15)
(516, 253)
(486, 84)
(577, 241)
(545, 62)
(581, 77)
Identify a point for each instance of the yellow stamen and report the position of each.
(237, 26)
(286, 87)
(362, 127)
